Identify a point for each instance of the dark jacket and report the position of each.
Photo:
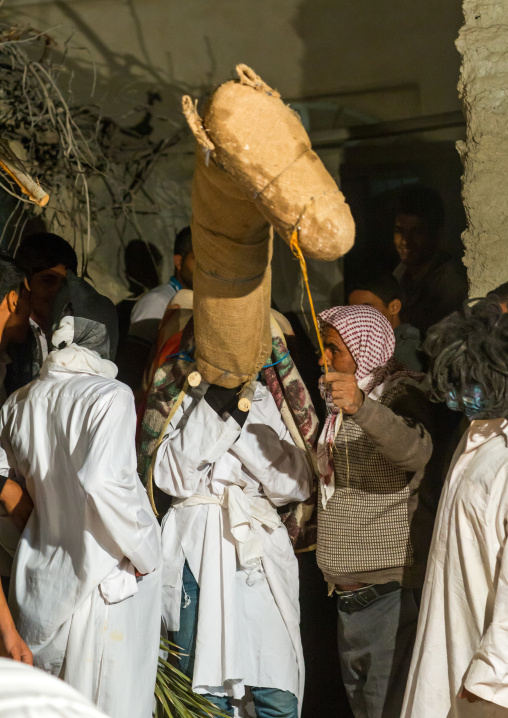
(439, 292)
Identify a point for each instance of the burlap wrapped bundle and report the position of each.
(255, 168)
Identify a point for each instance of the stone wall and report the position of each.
(483, 86)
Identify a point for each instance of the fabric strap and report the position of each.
(244, 512)
(174, 409)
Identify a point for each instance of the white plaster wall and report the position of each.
(483, 43)
(386, 60)
(302, 47)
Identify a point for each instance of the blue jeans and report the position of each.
(268, 702)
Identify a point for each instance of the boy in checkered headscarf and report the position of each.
(373, 532)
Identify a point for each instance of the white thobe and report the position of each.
(148, 311)
(248, 625)
(74, 597)
(462, 637)
(27, 692)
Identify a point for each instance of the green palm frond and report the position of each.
(173, 691)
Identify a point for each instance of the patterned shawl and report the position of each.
(284, 383)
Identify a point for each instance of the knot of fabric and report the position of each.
(80, 359)
(245, 515)
(64, 335)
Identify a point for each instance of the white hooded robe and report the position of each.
(74, 596)
(462, 637)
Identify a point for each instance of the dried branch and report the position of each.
(82, 157)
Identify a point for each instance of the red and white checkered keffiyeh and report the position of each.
(367, 334)
(369, 337)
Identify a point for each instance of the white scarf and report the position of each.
(80, 359)
(73, 357)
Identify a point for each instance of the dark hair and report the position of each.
(424, 202)
(183, 242)
(500, 292)
(11, 275)
(45, 250)
(384, 286)
(470, 347)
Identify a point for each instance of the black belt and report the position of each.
(352, 601)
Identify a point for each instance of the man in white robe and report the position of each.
(460, 658)
(230, 576)
(85, 592)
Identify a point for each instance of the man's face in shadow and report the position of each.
(44, 287)
(15, 314)
(414, 240)
(184, 269)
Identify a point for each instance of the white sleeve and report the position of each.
(5, 468)
(148, 312)
(115, 496)
(487, 676)
(268, 452)
(195, 439)
(9, 533)
(8, 463)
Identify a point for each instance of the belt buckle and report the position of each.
(347, 604)
(352, 601)
(365, 596)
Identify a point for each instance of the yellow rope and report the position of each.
(295, 248)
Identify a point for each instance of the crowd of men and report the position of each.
(91, 577)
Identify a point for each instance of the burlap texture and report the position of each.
(254, 168)
(232, 279)
(262, 145)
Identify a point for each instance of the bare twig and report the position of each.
(95, 174)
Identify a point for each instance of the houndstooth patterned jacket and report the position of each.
(375, 526)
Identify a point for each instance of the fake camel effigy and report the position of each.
(255, 170)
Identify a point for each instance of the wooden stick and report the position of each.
(27, 184)
(194, 379)
(247, 395)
